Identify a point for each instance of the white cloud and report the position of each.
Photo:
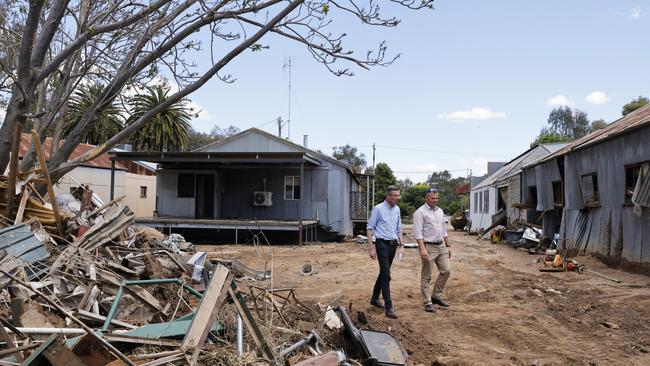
(475, 113)
(637, 12)
(559, 101)
(597, 98)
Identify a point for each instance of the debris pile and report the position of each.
(86, 286)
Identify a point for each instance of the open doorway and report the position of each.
(204, 203)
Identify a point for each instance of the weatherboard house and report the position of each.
(250, 181)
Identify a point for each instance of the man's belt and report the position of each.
(389, 241)
(434, 242)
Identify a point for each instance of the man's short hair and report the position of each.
(391, 189)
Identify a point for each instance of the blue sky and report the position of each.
(475, 81)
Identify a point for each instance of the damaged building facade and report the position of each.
(595, 192)
(501, 190)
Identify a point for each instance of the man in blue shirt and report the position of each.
(386, 225)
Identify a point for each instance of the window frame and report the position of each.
(630, 174)
(293, 185)
(486, 201)
(594, 200)
(143, 191)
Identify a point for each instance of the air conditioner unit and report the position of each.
(262, 198)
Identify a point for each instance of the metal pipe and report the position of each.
(32, 330)
(240, 336)
(113, 311)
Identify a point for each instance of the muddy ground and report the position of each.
(503, 310)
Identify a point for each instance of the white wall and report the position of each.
(99, 181)
(141, 206)
(482, 219)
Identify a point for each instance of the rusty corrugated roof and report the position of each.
(101, 161)
(630, 122)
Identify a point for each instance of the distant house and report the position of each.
(252, 180)
(502, 188)
(136, 180)
(600, 186)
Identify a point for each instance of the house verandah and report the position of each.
(251, 191)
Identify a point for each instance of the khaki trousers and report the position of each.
(438, 254)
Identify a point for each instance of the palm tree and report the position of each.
(109, 123)
(166, 131)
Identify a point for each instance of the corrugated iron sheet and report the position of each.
(20, 242)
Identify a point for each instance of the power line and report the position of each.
(408, 149)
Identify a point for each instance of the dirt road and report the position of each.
(503, 310)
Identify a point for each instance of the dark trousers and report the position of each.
(385, 254)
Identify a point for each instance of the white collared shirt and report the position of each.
(429, 224)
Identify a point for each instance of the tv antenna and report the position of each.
(287, 67)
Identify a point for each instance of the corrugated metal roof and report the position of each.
(514, 166)
(20, 242)
(634, 120)
(102, 161)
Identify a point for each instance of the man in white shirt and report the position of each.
(430, 232)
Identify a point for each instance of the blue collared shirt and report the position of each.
(385, 221)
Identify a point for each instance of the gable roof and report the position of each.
(290, 145)
(634, 120)
(514, 166)
(102, 161)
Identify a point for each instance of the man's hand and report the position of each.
(400, 251)
(423, 253)
(449, 250)
(372, 252)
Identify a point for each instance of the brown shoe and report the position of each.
(390, 313)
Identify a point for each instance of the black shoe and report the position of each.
(390, 313)
(440, 302)
(376, 304)
(429, 308)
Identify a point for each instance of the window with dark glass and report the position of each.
(558, 194)
(292, 187)
(185, 185)
(143, 191)
(631, 177)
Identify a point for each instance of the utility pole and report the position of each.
(280, 127)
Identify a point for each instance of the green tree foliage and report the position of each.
(548, 137)
(564, 121)
(350, 155)
(198, 139)
(564, 125)
(412, 198)
(597, 125)
(109, 123)
(384, 177)
(634, 105)
(165, 131)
